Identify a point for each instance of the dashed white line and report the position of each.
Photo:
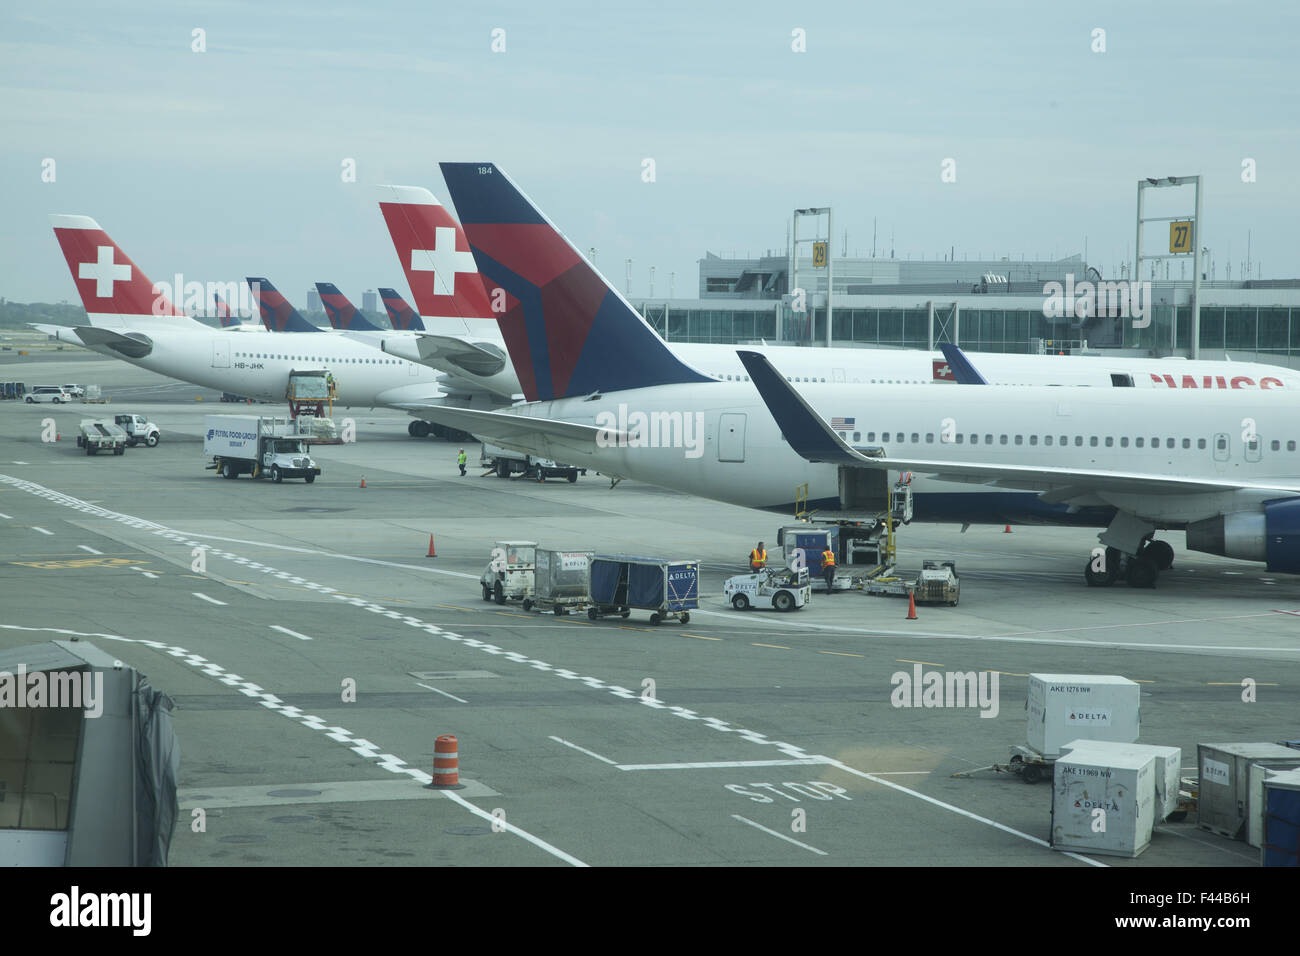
(89, 549)
(505, 824)
(285, 630)
(210, 600)
(42, 530)
(6, 517)
(722, 764)
(589, 753)
(443, 693)
(779, 836)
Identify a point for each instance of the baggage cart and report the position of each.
(667, 588)
(561, 582)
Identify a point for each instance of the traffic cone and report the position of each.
(1007, 529)
(432, 553)
(363, 481)
(911, 606)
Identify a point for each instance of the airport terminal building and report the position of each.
(983, 306)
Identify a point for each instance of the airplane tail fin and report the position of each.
(113, 290)
(403, 317)
(228, 318)
(343, 314)
(569, 332)
(435, 256)
(277, 314)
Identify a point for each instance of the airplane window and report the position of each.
(1290, 446)
(959, 439)
(1020, 439)
(1200, 443)
(1187, 443)
(1065, 439)
(988, 439)
(1253, 444)
(1137, 442)
(929, 438)
(1092, 442)
(1078, 441)
(857, 436)
(900, 437)
(1123, 443)
(823, 380)
(1222, 444)
(1033, 439)
(915, 437)
(747, 379)
(871, 436)
(842, 435)
(974, 439)
(1110, 442)
(1047, 440)
(1002, 439)
(1169, 443)
(1275, 446)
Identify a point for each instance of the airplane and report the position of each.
(278, 314)
(1220, 464)
(130, 320)
(422, 231)
(403, 317)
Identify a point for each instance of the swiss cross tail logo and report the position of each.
(942, 369)
(105, 272)
(443, 260)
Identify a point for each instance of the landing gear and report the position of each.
(1102, 569)
(418, 429)
(1161, 552)
(1142, 571)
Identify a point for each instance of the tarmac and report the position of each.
(315, 652)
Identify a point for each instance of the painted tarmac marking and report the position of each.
(589, 753)
(365, 748)
(89, 549)
(841, 654)
(789, 749)
(285, 630)
(6, 517)
(443, 693)
(701, 637)
(723, 764)
(210, 600)
(779, 647)
(779, 836)
(42, 530)
(904, 660)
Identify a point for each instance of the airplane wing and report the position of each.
(448, 353)
(130, 344)
(813, 439)
(544, 437)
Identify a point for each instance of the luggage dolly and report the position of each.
(1029, 764)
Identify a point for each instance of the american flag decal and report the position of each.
(842, 422)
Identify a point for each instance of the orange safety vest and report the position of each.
(828, 558)
(757, 559)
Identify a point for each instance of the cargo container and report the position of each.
(561, 581)
(1257, 773)
(1224, 799)
(1281, 819)
(1167, 776)
(1065, 707)
(1103, 799)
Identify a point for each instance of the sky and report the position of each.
(230, 162)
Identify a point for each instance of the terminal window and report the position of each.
(38, 753)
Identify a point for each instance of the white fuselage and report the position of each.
(720, 441)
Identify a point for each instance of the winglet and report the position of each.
(810, 436)
(962, 369)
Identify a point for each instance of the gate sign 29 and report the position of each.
(1180, 236)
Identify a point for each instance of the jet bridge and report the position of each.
(88, 760)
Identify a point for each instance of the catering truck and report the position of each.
(258, 446)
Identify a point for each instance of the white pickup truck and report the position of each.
(138, 430)
(261, 447)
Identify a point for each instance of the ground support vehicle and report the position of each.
(782, 588)
(561, 582)
(1025, 762)
(667, 588)
(258, 446)
(510, 572)
(138, 430)
(101, 435)
(504, 463)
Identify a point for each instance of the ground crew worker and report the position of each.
(828, 568)
(460, 460)
(758, 558)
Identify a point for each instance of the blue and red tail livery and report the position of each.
(228, 318)
(569, 332)
(403, 317)
(277, 314)
(343, 315)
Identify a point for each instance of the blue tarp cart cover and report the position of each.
(649, 583)
(1281, 826)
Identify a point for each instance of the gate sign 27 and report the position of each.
(1180, 236)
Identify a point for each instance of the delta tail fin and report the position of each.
(569, 332)
(343, 315)
(278, 315)
(403, 317)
